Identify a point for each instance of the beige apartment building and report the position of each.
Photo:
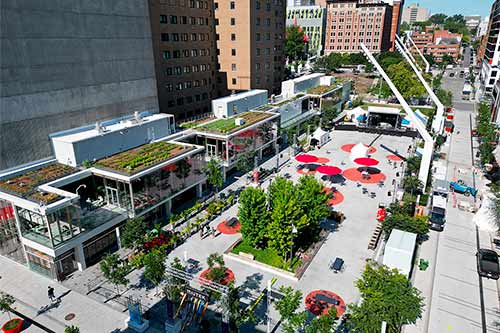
(352, 22)
(183, 34)
(250, 38)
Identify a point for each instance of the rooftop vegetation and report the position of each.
(320, 90)
(143, 157)
(25, 185)
(226, 126)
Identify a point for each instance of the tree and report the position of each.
(154, 266)
(494, 205)
(6, 302)
(294, 43)
(245, 162)
(413, 165)
(214, 174)
(253, 216)
(174, 285)
(417, 225)
(324, 323)
(217, 267)
(288, 307)
(405, 80)
(438, 18)
(387, 296)
(447, 60)
(182, 170)
(445, 96)
(412, 184)
(231, 306)
(71, 329)
(115, 270)
(133, 232)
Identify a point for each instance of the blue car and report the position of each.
(464, 189)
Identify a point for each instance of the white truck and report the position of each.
(466, 91)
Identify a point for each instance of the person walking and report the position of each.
(50, 293)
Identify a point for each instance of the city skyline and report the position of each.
(448, 7)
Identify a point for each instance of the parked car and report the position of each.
(487, 264)
(452, 74)
(437, 219)
(462, 188)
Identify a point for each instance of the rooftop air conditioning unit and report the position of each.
(239, 121)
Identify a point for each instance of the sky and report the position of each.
(450, 7)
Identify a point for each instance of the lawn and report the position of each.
(225, 126)
(265, 256)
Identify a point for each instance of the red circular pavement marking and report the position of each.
(355, 175)
(308, 172)
(223, 228)
(322, 160)
(337, 197)
(394, 158)
(320, 308)
(226, 280)
(347, 148)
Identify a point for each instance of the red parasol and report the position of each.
(329, 170)
(366, 161)
(305, 158)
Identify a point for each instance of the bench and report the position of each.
(247, 255)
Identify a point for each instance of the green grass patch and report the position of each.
(266, 256)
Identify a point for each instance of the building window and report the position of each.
(180, 101)
(233, 67)
(163, 19)
(176, 54)
(233, 21)
(169, 87)
(257, 37)
(233, 37)
(175, 37)
(231, 5)
(257, 66)
(233, 52)
(216, 5)
(258, 51)
(184, 20)
(164, 37)
(257, 5)
(166, 55)
(173, 19)
(257, 21)
(233, 81)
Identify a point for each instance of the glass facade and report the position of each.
(161, 184)
(10, 244)
(250, 140)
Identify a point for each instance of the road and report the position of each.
(466, 59)
(456, 304)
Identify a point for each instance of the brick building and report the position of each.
(351, 22)
(438, 43)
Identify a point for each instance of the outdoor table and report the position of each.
(232, 221)
(337, 264)
(326, 299)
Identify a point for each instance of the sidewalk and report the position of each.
(30, 291)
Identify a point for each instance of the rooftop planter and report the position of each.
(143, 157)
(320, 90)
(25, 185)
(227, 126)
(14, 325)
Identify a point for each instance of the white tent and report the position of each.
(483, 218)
(321, 136)
(359, 150)
(354, 114)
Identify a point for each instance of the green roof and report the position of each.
(25, 185)
(134, 160)
(227, 126)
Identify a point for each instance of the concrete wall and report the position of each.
(67, 63)
(229, 106)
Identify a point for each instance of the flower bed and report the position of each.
(225, 126)
(143, 157)
(25, 185)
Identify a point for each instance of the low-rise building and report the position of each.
(438, 43)
(312, 20)
(62, 216)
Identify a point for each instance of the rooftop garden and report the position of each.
(143, 157)
(227, 126)
(25, 185)
(194, 123)
(294, 98)
(320, 90)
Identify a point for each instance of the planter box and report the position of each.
(16, 329)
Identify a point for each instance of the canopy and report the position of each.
(321, 136)
(306, 158)
(359, 150)
(366, 161)
(329, 170)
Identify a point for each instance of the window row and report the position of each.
(187, 85)
(348, 40)
(187, 100)
(348, 33)
(174, 19)
(176, 54)
(258, 5)
(184, 37)
(178, 70)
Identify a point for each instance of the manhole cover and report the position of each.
(69, 316)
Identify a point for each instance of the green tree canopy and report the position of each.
(294, 43)
(71, 329)
(174, 285)
(6, 302)
(387, 296)
(214, 174)
(418, 224)
(133, 232)
(438, 18)
(412, 184)
(253, 216)
(405, 80)
(115, 270)
(154, 266)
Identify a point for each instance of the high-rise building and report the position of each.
(351, 22)
(414, 13)
(491, 57)
(397, 13)
(250, 42)
(472, 21)
(184, 52)
(311, 19)
(68, 64)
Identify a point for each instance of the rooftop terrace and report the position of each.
(25, 185)
(228, 126)
(135, 160)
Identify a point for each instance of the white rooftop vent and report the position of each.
(239, 121)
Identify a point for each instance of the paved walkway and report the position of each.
(30, 291)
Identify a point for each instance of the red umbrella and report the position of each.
(329, 170)
(366, 161)
(305, 158)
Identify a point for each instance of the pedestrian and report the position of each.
(458, 132)
(50, 293)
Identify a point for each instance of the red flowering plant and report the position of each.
(157, 241)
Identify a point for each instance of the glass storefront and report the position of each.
(161, 184)
(95, 248)
(10, 244)
(41, 262)
(250, 140)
